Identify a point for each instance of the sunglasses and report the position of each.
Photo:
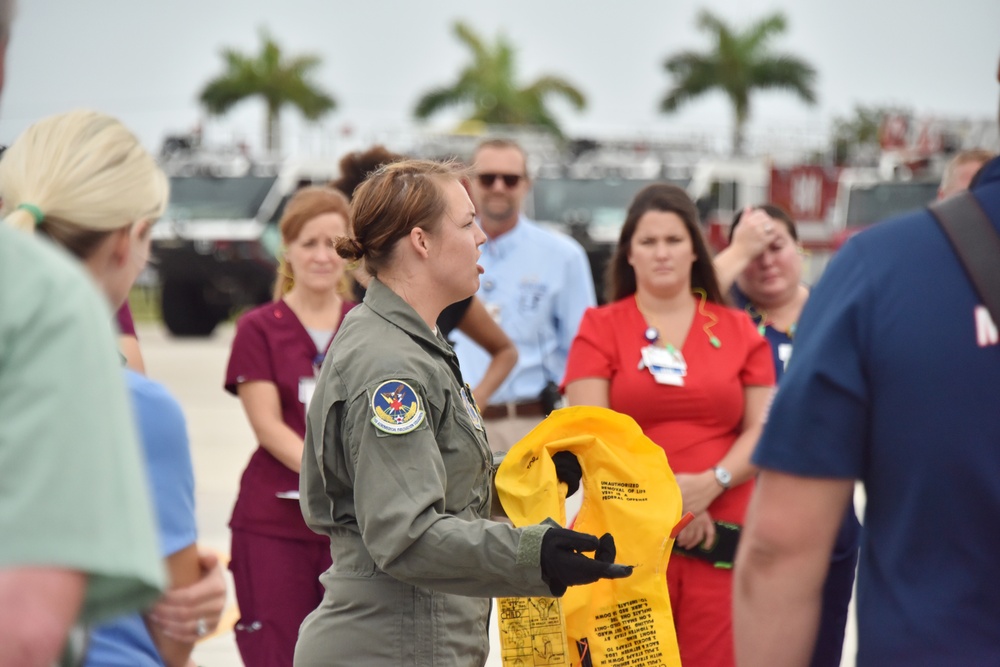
(509, 180)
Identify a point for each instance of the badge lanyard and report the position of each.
(664, 361)
(759, 316)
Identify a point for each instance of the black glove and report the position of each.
(563, 565)
(568, 470)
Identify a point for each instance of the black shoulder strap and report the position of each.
(976, 243)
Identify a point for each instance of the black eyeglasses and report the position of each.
(509, 180)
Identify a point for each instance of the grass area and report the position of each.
(145, 303)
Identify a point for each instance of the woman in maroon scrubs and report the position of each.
(276, 356)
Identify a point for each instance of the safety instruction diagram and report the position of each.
(532, 632)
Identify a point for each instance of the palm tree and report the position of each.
(739, 64)
(489, 83)
(269, 74)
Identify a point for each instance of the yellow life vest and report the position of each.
(628, 491)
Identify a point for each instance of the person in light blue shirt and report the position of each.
(537, 285)
(126, 641)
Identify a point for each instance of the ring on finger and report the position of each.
(201, 627)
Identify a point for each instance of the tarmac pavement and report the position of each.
(221, 444)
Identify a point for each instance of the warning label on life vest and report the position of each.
(532, 632)
(631, 627)
(628, 491)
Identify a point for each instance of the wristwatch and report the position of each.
(723, 476)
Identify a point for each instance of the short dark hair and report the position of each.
(357, 166)
(501, 143)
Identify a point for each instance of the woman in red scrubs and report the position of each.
(276, 356)
(696, 376)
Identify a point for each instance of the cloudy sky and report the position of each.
(145, 61)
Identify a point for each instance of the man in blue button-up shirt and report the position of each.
(537, 285)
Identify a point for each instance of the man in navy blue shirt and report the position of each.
(894, 382)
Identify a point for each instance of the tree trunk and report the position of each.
(273, 130)
(739, 127)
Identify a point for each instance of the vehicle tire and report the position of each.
(185, 310)
(599, 255)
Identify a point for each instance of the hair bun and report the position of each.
(350, 248)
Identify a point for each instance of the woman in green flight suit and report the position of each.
(397, 469)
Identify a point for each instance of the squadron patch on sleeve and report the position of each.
(396, 408)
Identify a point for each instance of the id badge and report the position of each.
(307, 387)
(665, 366)
(784, 353)
(669, 378)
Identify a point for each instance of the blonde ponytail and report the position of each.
(20, 219)
(77, 176)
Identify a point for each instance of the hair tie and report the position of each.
(35, 212)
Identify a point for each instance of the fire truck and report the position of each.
(807, 192)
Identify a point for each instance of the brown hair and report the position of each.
(305, 205)
(668, 198)
(357, 166)
(80, 242)
(390, 203)
(776, 213)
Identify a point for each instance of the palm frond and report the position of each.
(302, 64)
(788, 73)
(437, 99)
(468, 36)
(713, 24)
(693, 75)
(553, 85)
(761, 31)
(311, 102)
(503, 60)
(221, 94)
(682, 65)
